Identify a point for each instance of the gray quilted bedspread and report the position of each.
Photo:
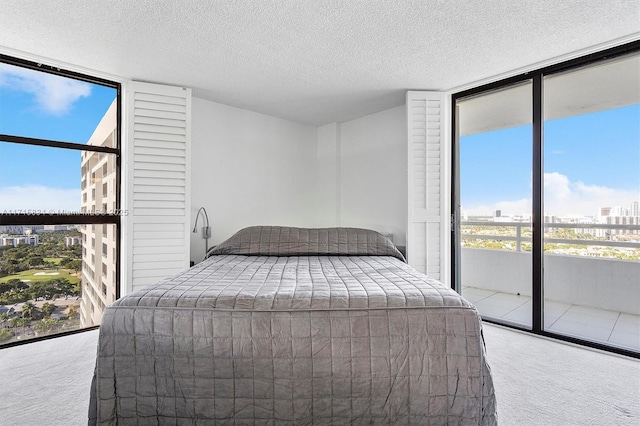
(293, 340)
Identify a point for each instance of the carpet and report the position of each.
(538, 381)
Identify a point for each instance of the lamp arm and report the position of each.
(206, 230)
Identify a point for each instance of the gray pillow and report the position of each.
(290, 241)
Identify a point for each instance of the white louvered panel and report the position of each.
(419, 245)
(153, 196)
(150, 189)
(159, 99)
(159, 259)
(159, 138)
(149, 245)
(160, 212)
(159, 121)
(162, 152)
(164, 128)
(155, 249)
(159, 144)
(146, 277)
(156, 159)
(424, 132)
(160, 181)
(142, 267)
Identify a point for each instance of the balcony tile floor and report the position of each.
(600, 325)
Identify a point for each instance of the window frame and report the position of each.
(101, 218)
(536, 76)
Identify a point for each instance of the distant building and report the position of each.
(15, 240)
(54, 228)
(72, 241)
(605, 211)
(12, 229)
(619, 216)
(98, 192)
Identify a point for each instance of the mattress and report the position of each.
(291, 326)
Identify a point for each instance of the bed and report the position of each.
(294, 326)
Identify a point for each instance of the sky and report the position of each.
(590, 161)
(41, 105)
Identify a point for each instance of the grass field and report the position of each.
(54, 260)
(34, 275)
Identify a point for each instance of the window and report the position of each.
(55, 119)
(548, 236)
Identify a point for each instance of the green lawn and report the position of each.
(54, 260)
(30, 275)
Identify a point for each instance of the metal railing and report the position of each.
(519, 238)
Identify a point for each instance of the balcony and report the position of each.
(589, 297)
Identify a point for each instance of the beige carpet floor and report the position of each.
(538, 382)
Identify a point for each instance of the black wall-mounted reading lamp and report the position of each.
(206, 230)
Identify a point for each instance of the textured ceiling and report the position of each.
(311, 61)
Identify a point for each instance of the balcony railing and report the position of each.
(610, 239)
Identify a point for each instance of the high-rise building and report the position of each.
(99, 241)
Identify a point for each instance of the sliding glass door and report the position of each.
(495, 202)
(546, 224)
(591, 195)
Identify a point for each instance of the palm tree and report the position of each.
(48, 308)
(4, 318)
(28, 309)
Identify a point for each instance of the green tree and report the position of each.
(44, 290)
(47, 309)
(45, 325)
(12, 284)
(4, 318)
(28, 309)
(75, 265)
(5, 334)
(35, 261)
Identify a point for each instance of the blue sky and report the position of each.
(591, 160)
(40, 105)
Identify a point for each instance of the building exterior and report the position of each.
(619, 216)
(72, 241)
(98, 185)
(54, 228)
(15, 240)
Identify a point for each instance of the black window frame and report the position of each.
(101, 218)
(536, 77)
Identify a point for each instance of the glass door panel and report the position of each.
(591, 196)
(494, 137)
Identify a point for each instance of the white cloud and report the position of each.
(39, 198)
(562, 198)
(53, 94)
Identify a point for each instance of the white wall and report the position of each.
(328, 174)
(254, 169)
(373, 173)
(601, 283)
(249, 169)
